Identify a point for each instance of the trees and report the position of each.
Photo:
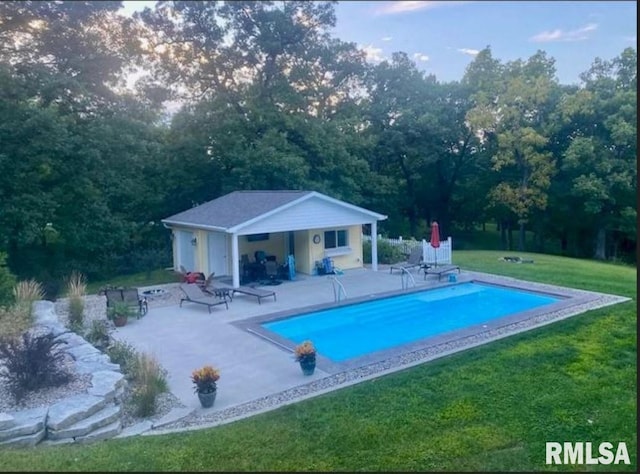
(516, 114)
(600, 160)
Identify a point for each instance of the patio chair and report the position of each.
(129, 296)
(257, 292)
(414, 260)
(440, 270)
(193, 294)
(271, 271)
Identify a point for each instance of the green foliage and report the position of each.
(125, 355)
(7, 282)
(387, 253)
(98, 334)
(25, 294)
(120, 309)
(76, 313)
(149, 380)
(31, 362)
(76, 289)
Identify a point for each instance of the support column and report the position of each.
(235, 259)
(374, 246)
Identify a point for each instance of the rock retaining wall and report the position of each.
(81, 418)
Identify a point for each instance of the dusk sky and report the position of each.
(442, 37)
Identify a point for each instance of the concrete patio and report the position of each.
(188, 337)
(257, 374)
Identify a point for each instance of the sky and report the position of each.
(443, 37)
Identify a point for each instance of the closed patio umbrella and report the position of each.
(435, 240)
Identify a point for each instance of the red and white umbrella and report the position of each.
(435, 240)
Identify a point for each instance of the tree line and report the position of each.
(269, 99)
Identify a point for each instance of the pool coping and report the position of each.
(569, 297)
(581, 302)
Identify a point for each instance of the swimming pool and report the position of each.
(354, 330)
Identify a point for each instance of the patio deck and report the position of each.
(188, 337)
(252, 368)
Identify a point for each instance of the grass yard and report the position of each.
(490, 408)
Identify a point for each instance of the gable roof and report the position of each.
(235, 210)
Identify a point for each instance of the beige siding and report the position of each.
(274, 246)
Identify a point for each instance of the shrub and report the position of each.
(150, 381)
(32, 362)
(7, 282)
(125, 355)
(25, 293)
(98, 334)
(387, 253)
(14, 320)
(76, 289)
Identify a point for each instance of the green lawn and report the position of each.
(155, 277)
(491, 408)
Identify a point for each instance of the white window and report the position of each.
(336, 239)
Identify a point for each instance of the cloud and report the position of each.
(393, 8)
(561, 35)
(387, 38)
(633, 39)
(420, 57)
(372, 53)
(469, 51)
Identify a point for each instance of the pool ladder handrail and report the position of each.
(338, 289)
(407, 281)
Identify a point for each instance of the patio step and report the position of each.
(82, 428)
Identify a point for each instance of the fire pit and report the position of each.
(155, 293)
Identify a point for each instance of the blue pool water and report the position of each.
(355, 330)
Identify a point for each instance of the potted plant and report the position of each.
(119, 312)
(205, 380)
(305, 354)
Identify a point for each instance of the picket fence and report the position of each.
(429, 255)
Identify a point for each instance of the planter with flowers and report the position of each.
(305, 354)
(205, 380)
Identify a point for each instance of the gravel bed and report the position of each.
(79, 383)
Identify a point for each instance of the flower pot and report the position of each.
(207, 399)
(308, 366)
(120, 321)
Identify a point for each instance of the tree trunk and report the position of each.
(601, 241)
(521, 238)
(510, 236)
(503, 236)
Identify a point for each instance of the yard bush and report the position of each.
(125, 355)
(76, 289)
(150, 380)
(7, 282)
(98, 334)
(387, 253)
(32, 362)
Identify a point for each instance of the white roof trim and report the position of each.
(374, 215)
(195, 226)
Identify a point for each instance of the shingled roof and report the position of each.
(235, 208)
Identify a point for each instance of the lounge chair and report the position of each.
(212, 289)
(129, 296)
(414, 260)
(193, 294)
(439, 270)
(257, 292)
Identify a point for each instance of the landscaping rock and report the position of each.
(67, 412)
(83, 427)
(26, 423)
(105, 383)
(6, 421)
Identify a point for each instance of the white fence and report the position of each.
(429, 255)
